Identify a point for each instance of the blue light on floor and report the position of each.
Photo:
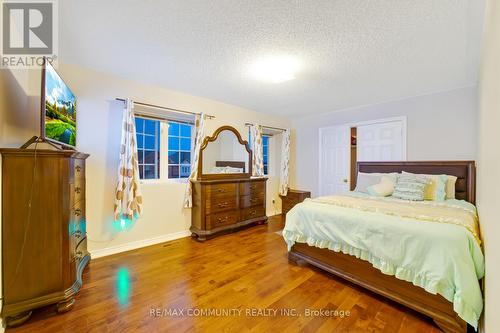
(123, 286)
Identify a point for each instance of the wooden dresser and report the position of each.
(44, 249)
(292, 198)
(227, 204)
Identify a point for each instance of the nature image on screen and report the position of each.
(60, 109)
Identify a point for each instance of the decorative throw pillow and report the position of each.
(383, 189)
(450, 187)
(436, 188)
(410, 187)
(366, 180)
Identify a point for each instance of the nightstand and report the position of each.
(292, 198)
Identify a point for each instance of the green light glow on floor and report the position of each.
(123, 286)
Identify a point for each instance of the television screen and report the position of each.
(60, 109)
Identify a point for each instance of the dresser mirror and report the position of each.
(225, 155)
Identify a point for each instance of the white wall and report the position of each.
(99, 130)
(441, 126)
(488, 190)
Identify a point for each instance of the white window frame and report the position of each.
(163, 172)
(164, 152)
(159, 171)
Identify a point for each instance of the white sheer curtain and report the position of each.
(128, 198)
(195, 159)
(285, 161)
(257, 154)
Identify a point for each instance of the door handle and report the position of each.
(345, 180)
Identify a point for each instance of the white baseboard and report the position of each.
(107, 251)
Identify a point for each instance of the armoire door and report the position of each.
(334, 160)
(382, 141)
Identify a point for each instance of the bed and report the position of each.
(438, 284)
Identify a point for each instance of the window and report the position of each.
(265, 153)
(179, 150)
(265, 150)
(148, 147)
(163, 156)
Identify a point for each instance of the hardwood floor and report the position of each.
(246, 271)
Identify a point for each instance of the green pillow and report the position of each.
(410, 187)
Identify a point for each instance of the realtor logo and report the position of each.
(28, 32)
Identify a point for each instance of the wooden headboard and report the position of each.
(465, 171)
(232, 164)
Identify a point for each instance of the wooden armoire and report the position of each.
(44, 246)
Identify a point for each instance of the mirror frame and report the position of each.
(217, 176)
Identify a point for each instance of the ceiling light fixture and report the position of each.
(275, 69)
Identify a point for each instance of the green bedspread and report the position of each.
(442, 258)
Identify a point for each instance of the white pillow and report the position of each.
(366, 180)
(233, 170)
(383, 189)
(218, 170)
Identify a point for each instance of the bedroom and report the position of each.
(259, 105)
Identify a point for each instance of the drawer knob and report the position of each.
(221, 190)
(78, 190)
(78, 212)
(253, 199)
(78, 168)
(78, 234)
(253, 187)
(253, 212)
(223, 204)
(222, 219)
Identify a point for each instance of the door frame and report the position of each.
(402, 119)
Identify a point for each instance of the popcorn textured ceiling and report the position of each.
(351, 52)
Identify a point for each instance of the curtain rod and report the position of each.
(268, 127)
(165, 108)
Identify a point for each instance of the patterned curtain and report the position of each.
(285, 161)
(257, 160)
(198, 140)
(128, 198)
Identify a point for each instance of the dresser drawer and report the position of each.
(221, 219)
(220, 203)
(252, 200)
(252, 213)
(252, 188)
(221, 190)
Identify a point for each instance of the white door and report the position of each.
(382, 141)
(334, 160)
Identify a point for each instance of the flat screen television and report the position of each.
(58, 123)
